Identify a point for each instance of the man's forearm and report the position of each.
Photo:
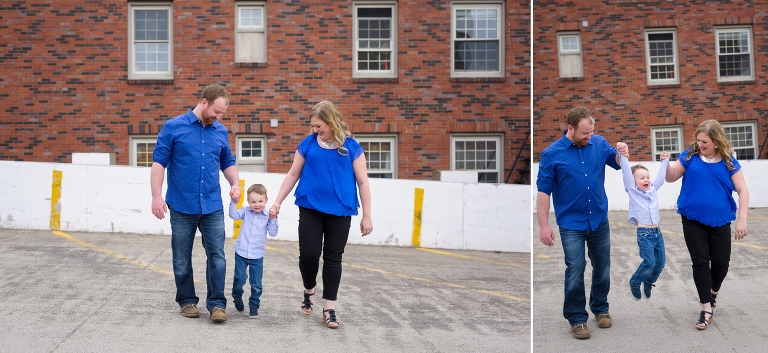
(542, 209)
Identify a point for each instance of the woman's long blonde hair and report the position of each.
(329, 114)
(715, 131)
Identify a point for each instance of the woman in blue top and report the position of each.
(329, 163)
(710, 175)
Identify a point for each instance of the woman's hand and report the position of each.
(741, 229)
(366, 226)
(274, 210)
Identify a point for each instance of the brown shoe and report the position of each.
(580, 331)
(603, 320)
(218, 315)
(190, 310)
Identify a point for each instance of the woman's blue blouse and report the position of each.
(706, 195)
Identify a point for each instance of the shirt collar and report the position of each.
(566, 142)
(263, 211)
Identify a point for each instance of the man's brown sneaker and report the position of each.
(603, 320)
(218, 315)
(580, 331)
(190, 310)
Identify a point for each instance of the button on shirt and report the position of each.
(252, 239)
(643, 205)
(193, 155)
(575, 178)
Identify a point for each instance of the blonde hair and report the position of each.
(715, 131)
(329, 114)
(638, 166)
(257, 188)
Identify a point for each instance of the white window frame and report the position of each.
(392, 72)
(676, 63)
(748, 30)
(134, 149)
(499, 139)
(561, 53)
(501, 37)
(239, 138)
(154, 75)
(392, 139)
(681, 141)
(751, 124)
(250, 5)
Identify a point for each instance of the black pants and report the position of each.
(708, 245)
(313, 227)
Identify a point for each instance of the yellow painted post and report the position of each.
(55, 196)
(417, 202)
(239, 222)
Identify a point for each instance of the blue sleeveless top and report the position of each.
(327, 181)
(706, 195)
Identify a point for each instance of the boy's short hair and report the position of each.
(257, 188)
(638, 166)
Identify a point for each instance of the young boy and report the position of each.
(249, 248)
(644, 213)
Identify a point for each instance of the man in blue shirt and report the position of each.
(572, 171)
(194, 147)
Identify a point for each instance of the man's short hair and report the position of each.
(576, 114)
(212, 92)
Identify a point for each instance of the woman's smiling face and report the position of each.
(706, 145)
(323, 130)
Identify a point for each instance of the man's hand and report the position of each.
(159, 208)
(547, 236)
(623, 149)
(665, 155)
(234, 193)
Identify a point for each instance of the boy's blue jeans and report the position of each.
(651, 245)
(599, 251)
(256, 272)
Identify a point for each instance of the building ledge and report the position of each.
(250, 65)
(478, 79)
(150, 82)
(375, 80)
(736, 83)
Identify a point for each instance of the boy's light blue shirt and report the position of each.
(253, 231)
(643, 205)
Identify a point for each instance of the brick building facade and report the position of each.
(652, 71)
(103, 76)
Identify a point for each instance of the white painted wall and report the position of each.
(754, 172)
(117, 199)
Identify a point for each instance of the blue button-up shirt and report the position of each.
(193, 155)
(643, 205)
(575, 178)
(253, 231)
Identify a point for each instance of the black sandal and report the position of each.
(331, 321)
(306, 305)
(703, 320)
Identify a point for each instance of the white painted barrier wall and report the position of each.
(117, 199)
(754, 172)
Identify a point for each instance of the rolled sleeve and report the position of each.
(545, 181)
(611, 160)
(226, 159)
(163, 147)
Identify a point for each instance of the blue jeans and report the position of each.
(256, 271)
(651, 245)
(599, 250)
(211, 227)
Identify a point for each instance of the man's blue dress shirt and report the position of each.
(575, 178)
(193, 155)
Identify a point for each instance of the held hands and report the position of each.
(234, 193)
(159, 208)
(665, 155)
(274, 210)
(547, 236)
(741, 229)
(623, 149)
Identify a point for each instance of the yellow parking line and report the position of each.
(472, 258)
(765, 219)
(541, 256)
(750, 245)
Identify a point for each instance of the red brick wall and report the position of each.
(615, 86)
(64, 85)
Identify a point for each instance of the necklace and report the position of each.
(708, 160)
(326, 144)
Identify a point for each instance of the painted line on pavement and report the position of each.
(472, 258)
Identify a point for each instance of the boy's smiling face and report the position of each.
(642, 179)
(257, 202)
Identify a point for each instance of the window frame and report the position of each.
(499, 139)
(662, 128)
(393, 71)
(750, 39)
(240, 5)
(561, 53)
(155, 75)
(676, 63)
(750, 123)
(133, 149)
(239, 138)
(500, 23)
(392, 139)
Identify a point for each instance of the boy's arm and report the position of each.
(234, 213)
(272, 227)
(662, 174)
(626, 174)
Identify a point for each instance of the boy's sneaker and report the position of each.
(635, 288)
(239, 304)
(647, 287)
(254, 312)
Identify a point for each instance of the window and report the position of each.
(661, 56)
(734, 54)
(150, 36)
(380, 155)
(250, 32)
(141, 150)
(251, 153)
(569, 52)
(741, 137)
(375, 36)
(480, 153)
(666, 138)
(477, 48)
